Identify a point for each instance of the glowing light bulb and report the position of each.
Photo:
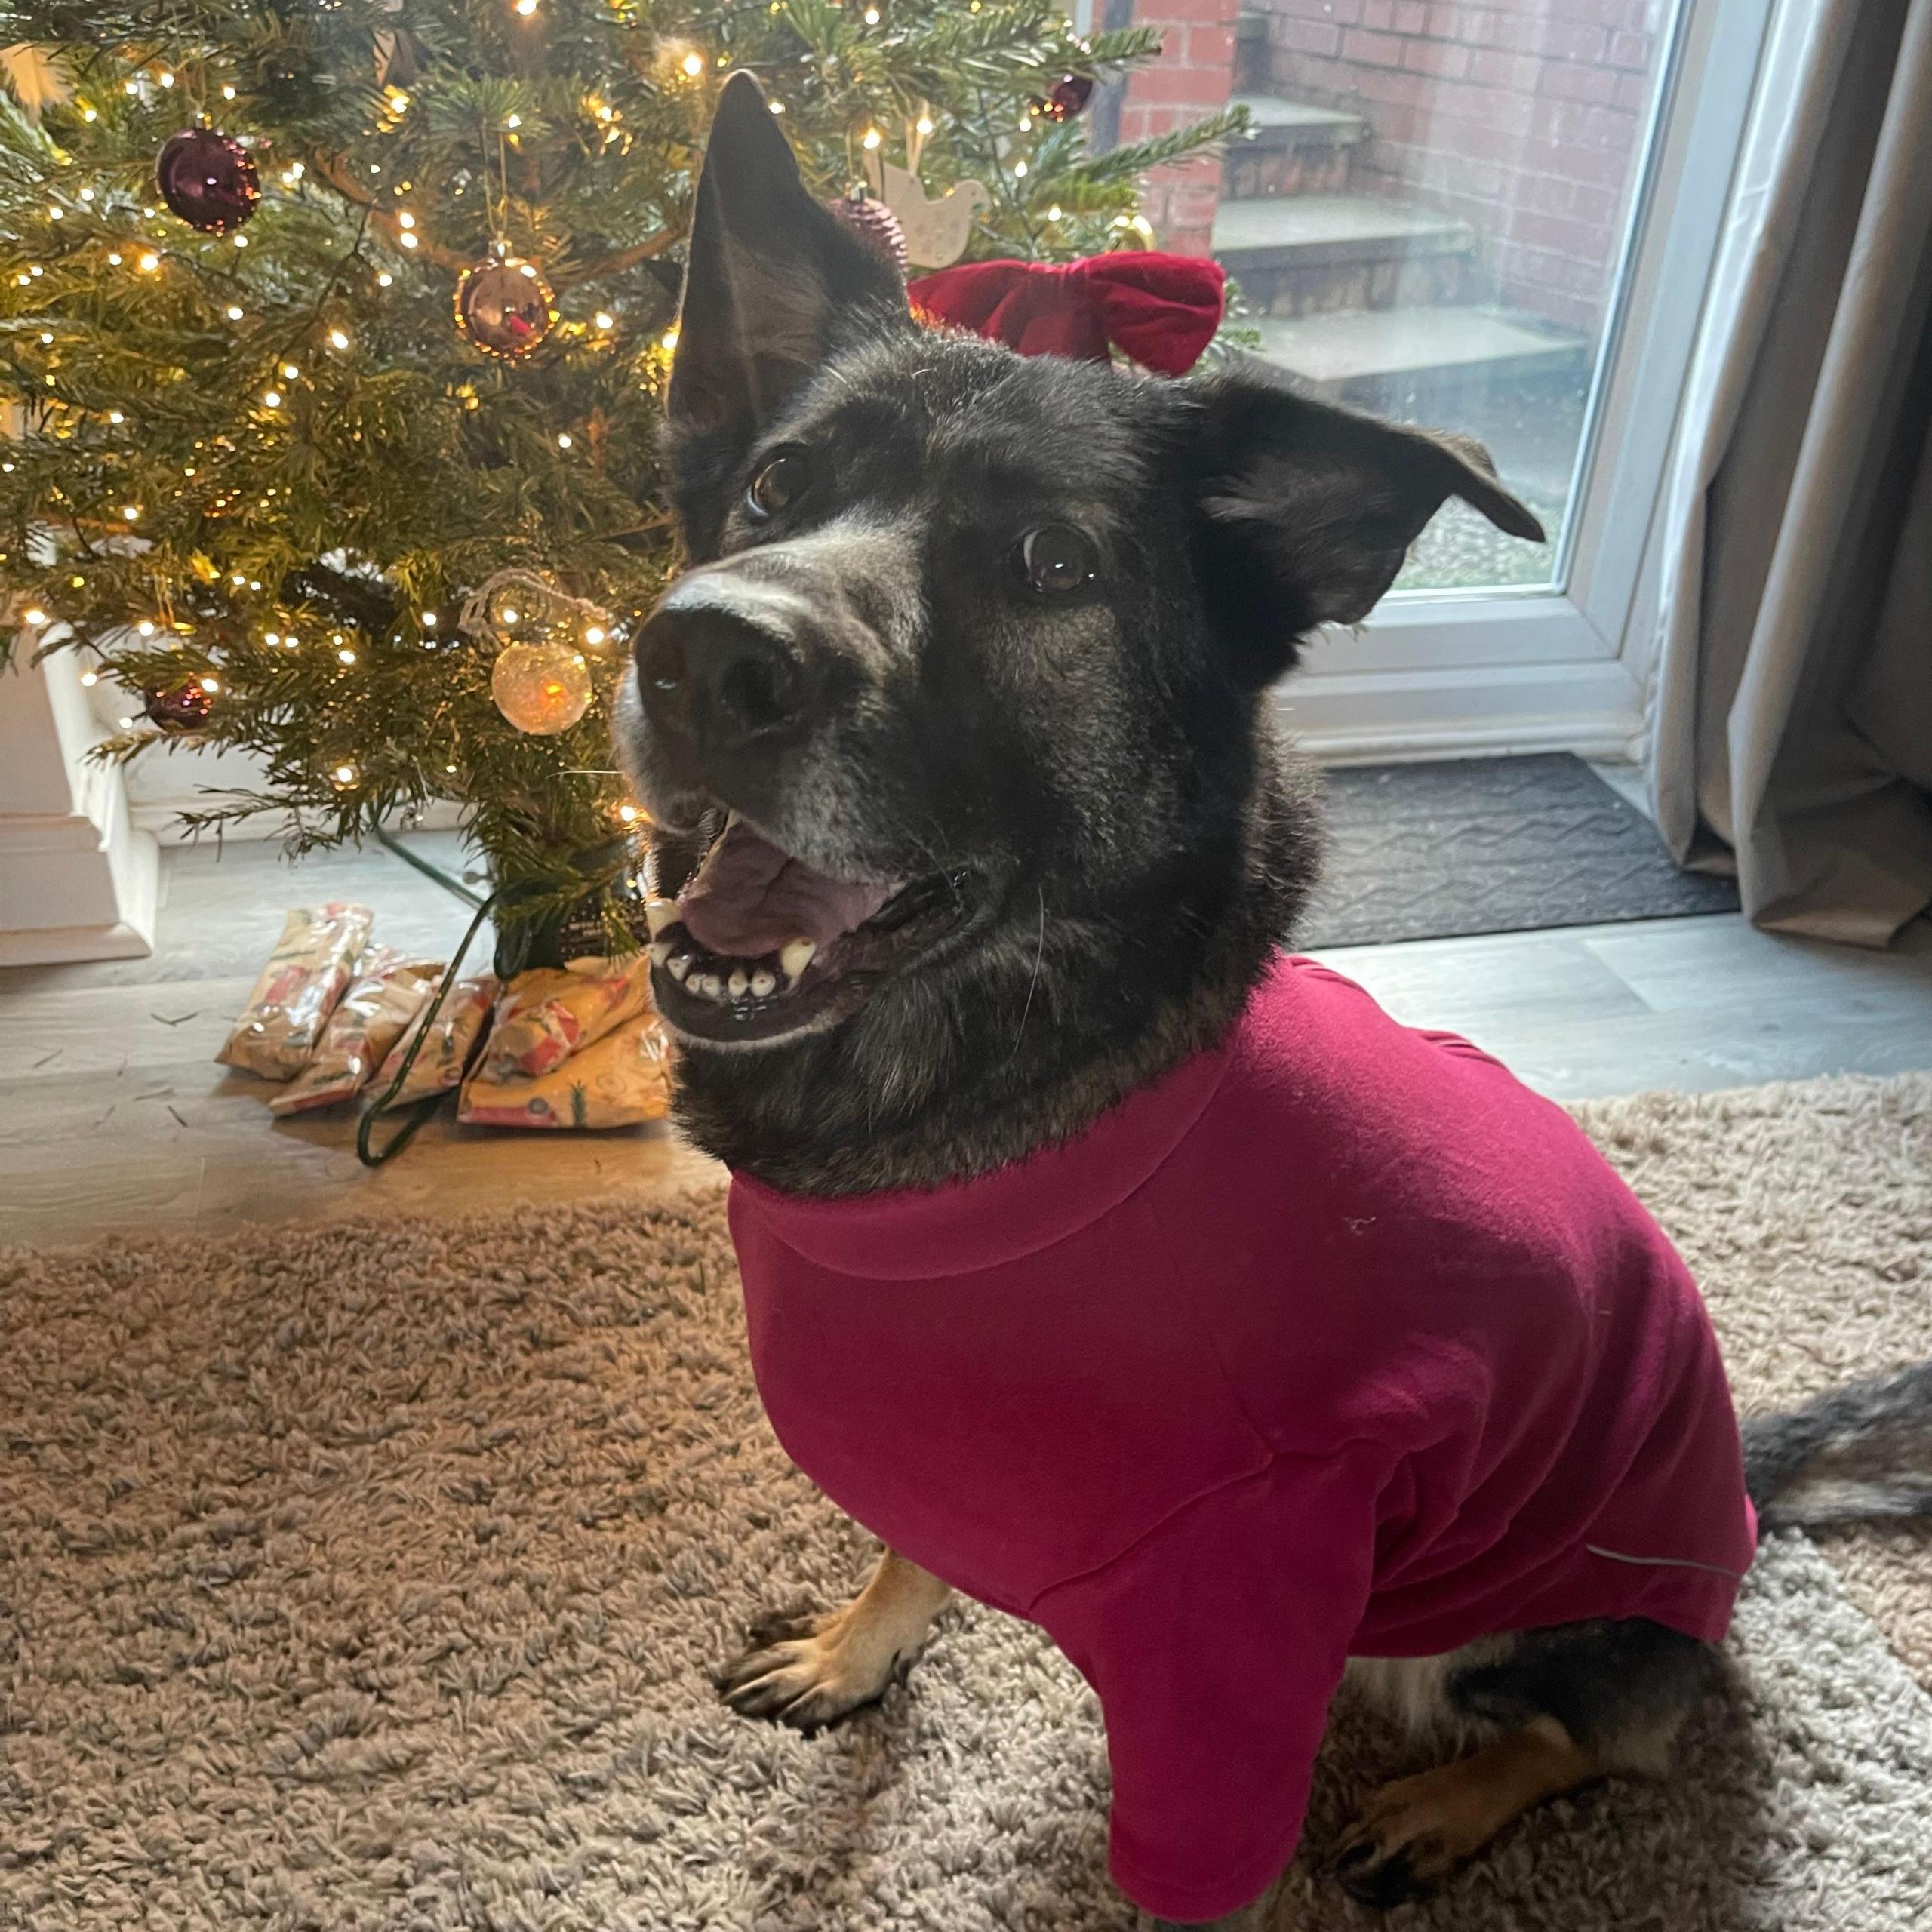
(338, 338)
(406, 219)
(240, 241)
(346, 655)
(924, 123)
(777, 107)
(210, 685)
(34, 615)
(234, 312)
(149, 262)
(165, 77)
(383, 280)
(669, 338)
(1019, 167)
(605, 320)
(131, 512)
(271, 636)
(228, 90)
(115, 416)
(563, 442)
(344, 774)
(272, 398)
(114, 260)
(512, 617)
(408, 240)
(146, 628)
(56, 214)
(429, 621)
(872, 138)
(594, 635)
(90, 676)
(290, 372)
(87, 194)
(1053, 213)
(692, 64)
(513, 121)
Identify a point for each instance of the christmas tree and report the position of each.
(336, 333)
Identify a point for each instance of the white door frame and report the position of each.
(1436, 674)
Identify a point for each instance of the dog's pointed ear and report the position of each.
(1304, 511)
(771, 277)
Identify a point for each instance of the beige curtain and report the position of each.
(1791, 712)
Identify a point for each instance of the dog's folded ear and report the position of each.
(772, 282)
(1304, 510)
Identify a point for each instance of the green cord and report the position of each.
(370, 1155)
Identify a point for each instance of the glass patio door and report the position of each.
(1497, 217)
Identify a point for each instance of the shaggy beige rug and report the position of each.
(370, 1577)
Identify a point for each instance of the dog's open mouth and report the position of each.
(758, 944)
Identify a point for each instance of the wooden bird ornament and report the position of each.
(936, 231)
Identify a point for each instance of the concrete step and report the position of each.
(1427, 363)
(1302, 254)
(1290, 148)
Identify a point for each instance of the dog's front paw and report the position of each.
(809, 1671)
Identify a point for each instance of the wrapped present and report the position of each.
(307, 974)
(547, 1014)
(445, 1054)
(621, 1079)
(386, 994)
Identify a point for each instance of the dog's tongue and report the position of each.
(748, 898)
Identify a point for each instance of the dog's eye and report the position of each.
(1057, 558)
(779, 484)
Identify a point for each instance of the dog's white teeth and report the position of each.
(795, 955)
(739, 983)
(763, 982)
(679, 967)
(660, 953)
(707, 985)
(660, 913)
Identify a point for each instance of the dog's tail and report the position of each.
(1863, 1452)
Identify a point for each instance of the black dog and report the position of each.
(971, 822)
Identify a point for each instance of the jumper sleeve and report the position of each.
(1214, 1645)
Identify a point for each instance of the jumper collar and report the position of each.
(927, 1234)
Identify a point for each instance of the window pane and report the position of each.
(1428, 219)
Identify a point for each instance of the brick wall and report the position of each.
(1192, 77)
(1523, 118)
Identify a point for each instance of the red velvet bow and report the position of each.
(1160, 310)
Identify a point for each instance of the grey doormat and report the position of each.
(371, 1576)
(1490, 845)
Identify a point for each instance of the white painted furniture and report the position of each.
(77, 880)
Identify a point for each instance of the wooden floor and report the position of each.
(114, 1118)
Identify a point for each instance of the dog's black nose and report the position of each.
(727, 672)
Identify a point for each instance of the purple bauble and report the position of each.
(207, 179)
(1067, 97)
(178, 709)
(875, 225)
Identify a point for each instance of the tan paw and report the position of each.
(807, 1672)
(1413, 1833)
(1411, 1836)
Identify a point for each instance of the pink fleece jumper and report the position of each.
(1336, 1341)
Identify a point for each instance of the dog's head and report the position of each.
(958, 715)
